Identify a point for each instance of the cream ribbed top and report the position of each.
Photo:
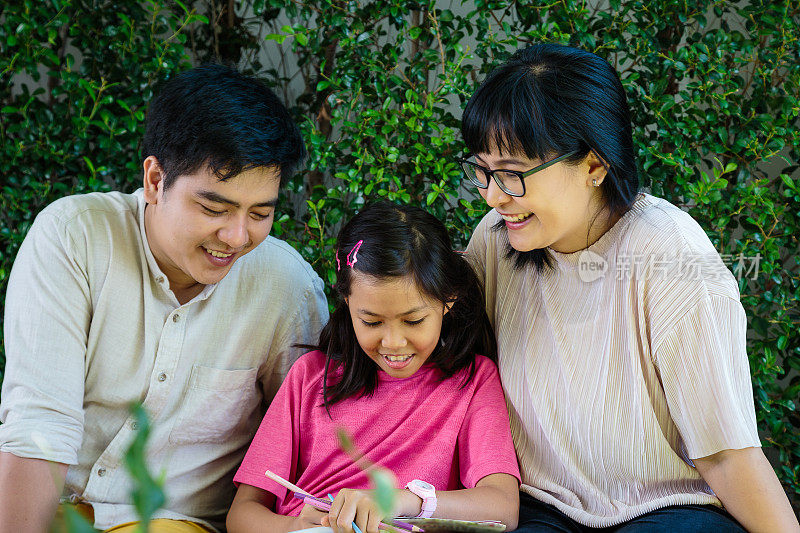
(620, 364)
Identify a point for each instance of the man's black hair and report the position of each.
(213, 115)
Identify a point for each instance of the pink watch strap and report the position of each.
(428, 495)
(428, 507)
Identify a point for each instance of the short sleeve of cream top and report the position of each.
(621, 364)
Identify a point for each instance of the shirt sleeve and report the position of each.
(275, 446)
(302, 325)
(47, 317)
(705, 373)
(484, 441)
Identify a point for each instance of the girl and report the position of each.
(397, 367)
(621, 338)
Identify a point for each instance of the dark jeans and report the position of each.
(535, 516)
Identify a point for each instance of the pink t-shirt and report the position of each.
(418, 427)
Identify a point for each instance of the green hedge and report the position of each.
(377, 88)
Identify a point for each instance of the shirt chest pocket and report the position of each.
(218, 407)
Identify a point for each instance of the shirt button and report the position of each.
(160, 279)
(135, 424)
(175, 318)
(101, 472)
(162, 377)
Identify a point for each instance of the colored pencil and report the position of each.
(280, 481)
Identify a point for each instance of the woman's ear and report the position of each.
(596, 169)
(447, 306)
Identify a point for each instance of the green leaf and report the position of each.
(783, 341)
(75, 523)
(277, 37)
(87, 87)
(89, 164)
(384, 484)
(147, 495)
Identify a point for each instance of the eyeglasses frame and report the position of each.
(521, 175)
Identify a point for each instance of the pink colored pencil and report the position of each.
(280, 481)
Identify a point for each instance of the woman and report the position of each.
(620, 333)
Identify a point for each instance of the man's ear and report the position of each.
(596, 168)
(153, 180)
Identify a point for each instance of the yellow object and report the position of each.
(159, 525)
(163, 525)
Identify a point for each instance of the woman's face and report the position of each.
(558, 207)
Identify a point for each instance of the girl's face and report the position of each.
(559, 205)
(397, 326)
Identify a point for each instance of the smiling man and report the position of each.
(173, 296)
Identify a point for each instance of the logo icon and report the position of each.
(591, 266)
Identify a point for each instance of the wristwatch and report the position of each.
(427, 492)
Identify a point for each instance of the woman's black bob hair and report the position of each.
(404, 241)
(547, 100)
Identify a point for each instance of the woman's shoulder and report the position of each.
(487, 245)
(664, 247)
(656, 225)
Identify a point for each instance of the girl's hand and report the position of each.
(354, 506)
(310, 517)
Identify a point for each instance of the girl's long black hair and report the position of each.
(400, 241)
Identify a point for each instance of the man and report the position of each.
(173, 296)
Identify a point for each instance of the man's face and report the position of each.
(200, 226)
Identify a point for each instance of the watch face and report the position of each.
(423, 485)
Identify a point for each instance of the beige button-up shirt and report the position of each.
(620, 364)
(91, 325)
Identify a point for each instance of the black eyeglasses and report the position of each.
(511, 182)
